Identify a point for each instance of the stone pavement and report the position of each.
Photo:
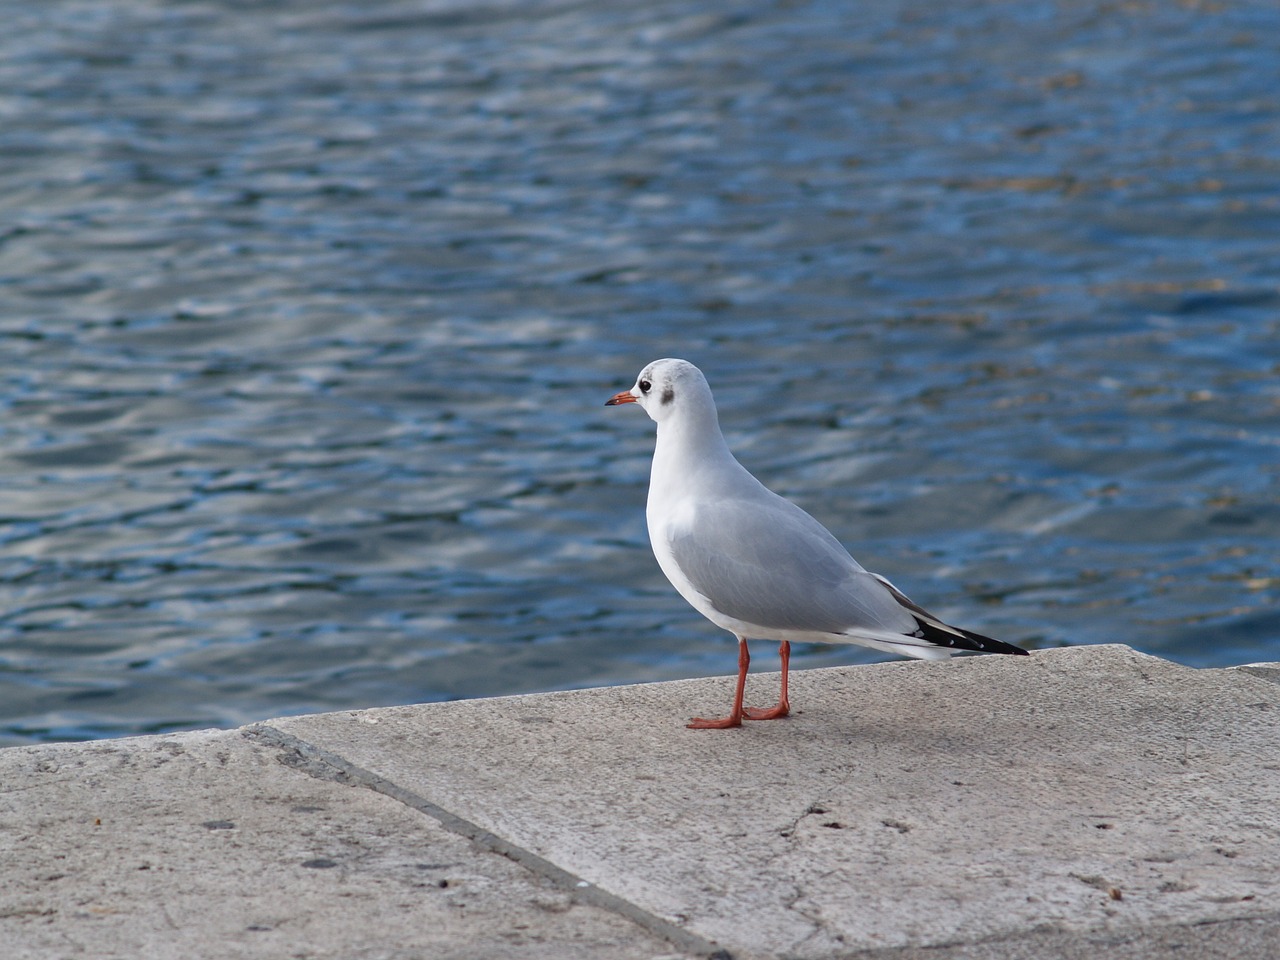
(1084, 802)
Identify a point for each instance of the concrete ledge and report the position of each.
(1087, 801)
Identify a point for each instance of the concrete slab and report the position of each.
(1087, 802)
(1080, 796)
(208, 845)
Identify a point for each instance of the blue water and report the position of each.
(308, 312)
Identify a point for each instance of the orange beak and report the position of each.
(623, 397)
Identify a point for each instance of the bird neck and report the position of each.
(687, 448)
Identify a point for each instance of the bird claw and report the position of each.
(775, 712)
(723, 723)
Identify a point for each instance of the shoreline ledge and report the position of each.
(1083, 802)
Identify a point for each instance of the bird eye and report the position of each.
(645, 386)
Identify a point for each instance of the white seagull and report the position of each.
(756, 564)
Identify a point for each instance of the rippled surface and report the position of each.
(308, 312)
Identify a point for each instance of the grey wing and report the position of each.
(769, 563)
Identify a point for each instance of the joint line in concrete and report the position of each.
(324, 764)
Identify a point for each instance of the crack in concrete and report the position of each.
(813, 809)
(325, 765)
(794, 902)
(811, 914)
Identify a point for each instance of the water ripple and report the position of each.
(308, 310)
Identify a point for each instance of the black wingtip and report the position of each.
(966, 640)
(943, 635)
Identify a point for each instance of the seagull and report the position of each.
(753, 562)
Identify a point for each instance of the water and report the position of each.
(308, 311)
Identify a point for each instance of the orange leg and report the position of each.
(734, 719)
(783, 706)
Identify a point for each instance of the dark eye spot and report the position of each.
(668, 395)
(645, 386)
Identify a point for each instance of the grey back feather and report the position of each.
(767, 562)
